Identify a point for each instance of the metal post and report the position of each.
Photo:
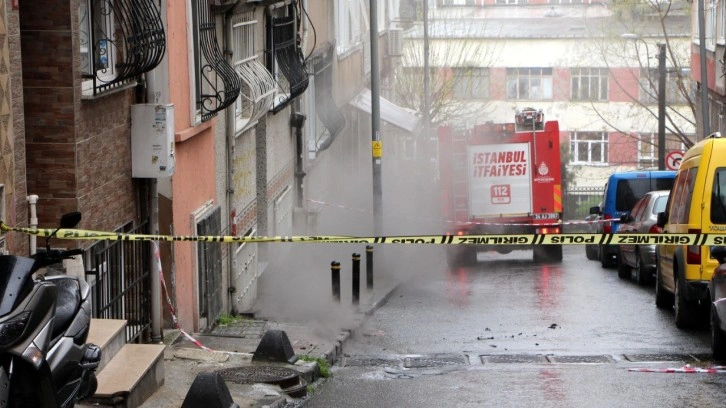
(704, 71)
(356, 279)
(335, 275)
(375, 120)
(369, 267)
(297, 120)
(661, 105)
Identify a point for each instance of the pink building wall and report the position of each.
(194, 166)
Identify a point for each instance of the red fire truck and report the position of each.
(502, 178)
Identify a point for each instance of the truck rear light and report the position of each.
(693, 255)
(693, 252)
(607, 228)
(550, 230)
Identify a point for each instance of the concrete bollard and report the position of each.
(356, 279)
(335, 275)
(369, 267)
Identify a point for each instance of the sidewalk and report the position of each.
(233, 346)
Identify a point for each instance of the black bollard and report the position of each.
(369, 267)
(356, 279)
(335, 274)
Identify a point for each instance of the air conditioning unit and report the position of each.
(152, 140)
(395, 41)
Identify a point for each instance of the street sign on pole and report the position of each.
(673, 160)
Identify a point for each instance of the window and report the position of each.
(649, 87)
(216, 83)
(589, 84)
(116, 46)
(529, 83)
(511, 1)
(348, 24)
(721, 17)
(471, 83)
(258, 86)
(718, 197)
(710, 23)
(681, 196)
(589, 147)
(647, 149)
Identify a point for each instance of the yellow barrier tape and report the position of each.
(486, 239)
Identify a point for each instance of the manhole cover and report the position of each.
(284, 377)
(513, 359)
(580, 359)
(434, 361)
(658, 358)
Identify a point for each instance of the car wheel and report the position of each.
(663, 299)
(638, 273)
(623, 270)
(605, 259)
(685, 311)
(718, 337)
(591, 252)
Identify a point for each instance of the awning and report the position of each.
(403, 118)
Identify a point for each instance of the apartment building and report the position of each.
(592, 66)
(187, 118)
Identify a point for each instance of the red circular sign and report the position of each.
(673, 159)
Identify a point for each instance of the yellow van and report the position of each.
(697, 204)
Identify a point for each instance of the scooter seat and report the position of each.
(69, 300)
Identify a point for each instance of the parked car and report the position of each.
(636, 261)
(717, 289)
(591, 249)
(696, 205)
(622, 191)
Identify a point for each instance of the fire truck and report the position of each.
(502, 178)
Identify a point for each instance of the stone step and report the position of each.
(109, 335)
(130, 377)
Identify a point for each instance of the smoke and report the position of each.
(297, 287)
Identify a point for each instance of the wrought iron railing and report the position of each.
(287, 56)
(120, 40)
(219, 85)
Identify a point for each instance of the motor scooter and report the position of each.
(44, 324)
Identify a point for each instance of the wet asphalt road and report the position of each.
(511, 333)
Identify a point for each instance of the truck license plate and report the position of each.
(546, 216)
(501, 194)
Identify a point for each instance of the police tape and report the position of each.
(482, 239)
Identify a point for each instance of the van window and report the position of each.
(630, 191)
(718, 197)
(682, 194)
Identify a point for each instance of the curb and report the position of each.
(336, 352)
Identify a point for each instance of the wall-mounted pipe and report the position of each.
(33, 201)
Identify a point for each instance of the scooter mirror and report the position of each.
(70, 220)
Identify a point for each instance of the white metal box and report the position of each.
(152, 140)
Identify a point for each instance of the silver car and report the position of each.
(637, 261)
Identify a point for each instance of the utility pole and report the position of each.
(661, 105)
(427, 83)
(704, 72)
(377, 145)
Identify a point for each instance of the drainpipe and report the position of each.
(33, 200)
(156, 87)
(229, 170)
(297, 120)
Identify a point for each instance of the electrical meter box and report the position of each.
(152, 140)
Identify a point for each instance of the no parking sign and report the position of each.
(673, 160)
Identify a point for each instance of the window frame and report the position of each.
(521, 78)
(106, 73)
(591, 77)
(603, 142)
(466, 77)
(652, 159)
